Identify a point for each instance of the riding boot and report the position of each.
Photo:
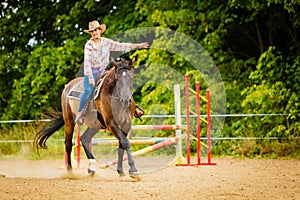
(139, 112)
(79, 118)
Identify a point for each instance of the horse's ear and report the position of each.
(113, 61)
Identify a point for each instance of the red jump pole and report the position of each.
(198, 122)
(208, 129)
(78, 146)
(208, 126)
(188, 151)
(66, 159)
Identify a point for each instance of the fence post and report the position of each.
(179, 159)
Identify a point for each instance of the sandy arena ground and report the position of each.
(229, 179)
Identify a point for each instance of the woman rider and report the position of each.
(96, 59)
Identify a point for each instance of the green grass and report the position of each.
(24, 149)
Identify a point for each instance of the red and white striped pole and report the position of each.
(146, 150)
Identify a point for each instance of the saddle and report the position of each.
(78, 89)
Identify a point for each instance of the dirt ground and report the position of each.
(229, 179)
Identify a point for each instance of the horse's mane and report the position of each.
(110, 75)
(109, 82)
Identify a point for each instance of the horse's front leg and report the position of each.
(133, 173)
(120, 161)
(124, 144)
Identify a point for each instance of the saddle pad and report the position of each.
(78, 89)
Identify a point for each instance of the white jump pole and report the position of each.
(179, 159)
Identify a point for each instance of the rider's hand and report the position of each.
(143, 45)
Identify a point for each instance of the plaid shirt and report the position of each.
(96, 55)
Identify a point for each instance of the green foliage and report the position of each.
(45, 74)
(255, 45)
(276, 84)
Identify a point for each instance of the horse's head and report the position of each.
(123, 76)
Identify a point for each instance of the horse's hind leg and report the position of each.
(85, 140)
(68, 143)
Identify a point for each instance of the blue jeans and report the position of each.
(88, 89)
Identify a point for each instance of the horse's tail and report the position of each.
(42, 136)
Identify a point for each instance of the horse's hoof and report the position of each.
(69, 170)
(91, 172)
(92, 167)
(135, 176)
(121, 174)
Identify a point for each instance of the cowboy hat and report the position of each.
(94, 25)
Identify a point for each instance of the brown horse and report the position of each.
(115, 110)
